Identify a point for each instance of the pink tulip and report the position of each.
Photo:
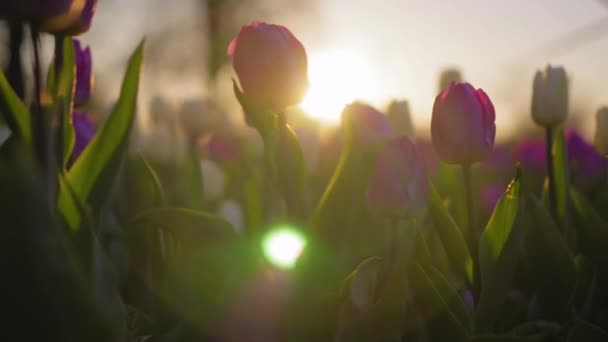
(399, 183)
(367, 126)
(271, 65)
(462, 127)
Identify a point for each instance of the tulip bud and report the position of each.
(84, 74)
(398, 186)
(398, 113)
(462, 126)
(601, 130)
(85, 131)
(366, 127)
(271, 65)
(73, 22)
(550, 97)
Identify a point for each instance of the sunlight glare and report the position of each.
(337, 77)
(283, 246)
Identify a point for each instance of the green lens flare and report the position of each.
(283, 246)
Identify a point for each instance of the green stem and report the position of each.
(551, 172)
(473, 231)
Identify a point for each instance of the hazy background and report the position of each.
(403, 45)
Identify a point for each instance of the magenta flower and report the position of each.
(271, 65)
(84, 74)
(462, 126)
(531, 153)
(369, 128)
(222, 149)
(85, 131)
(398, 186)
(585, 162)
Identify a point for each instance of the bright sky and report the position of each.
(397, 47)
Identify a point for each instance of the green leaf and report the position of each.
(499, 250)
(362, 284)
(550, 262)
(17, 115)
(585, 331)
(592, 231)
(432, 301)
(64, 98)
(188, 225)
(536, 331)
(140, 188)
(452, 298)
(95, 171)
(191, 180)
(450, 235)
(291, 171)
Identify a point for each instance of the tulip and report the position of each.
(368, 128)
(550, 97)
(586, 163)
(462, 126)
(74, 22)
(271, 65)
(531, 153)
(84, 74)
(490, 194)
(601, 130)
(398, 186)
(398, 113)
(85, 131)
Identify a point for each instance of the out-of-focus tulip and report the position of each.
(550, 97)
(34, 9)
(75, 21)
(369, 128)
(196, 117)
(601, 130)
(399, 114)
(85, 131)
(271, 65)
(84, 74)
(462, 126)
(531, 153)
(231, 211)
(398, 186)
(214, 180)
(446, 78)
(585, 162)
(221, 149)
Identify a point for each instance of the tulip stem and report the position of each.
(472, 225)
(551, 172)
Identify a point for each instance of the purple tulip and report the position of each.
(398, 186)
(84, 74)
(499, 161)
(33, 9)
(585, 162)
(75, 21)
(271, 65)
(462, 125)
(368, 127)
(85, 131)
(531, 153)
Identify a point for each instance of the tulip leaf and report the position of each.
(450, 235)
(432, 296)
(291, 171)
(585, 331)
(64, 99)
(15, 112)
(592, 231)
(191, 180)
(452, 298)
(499, 252)
(551, 264)
(95, 171)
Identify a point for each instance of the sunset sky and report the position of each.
(403, 44)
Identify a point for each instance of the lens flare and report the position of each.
(283, 246)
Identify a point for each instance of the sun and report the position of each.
(337, 77)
